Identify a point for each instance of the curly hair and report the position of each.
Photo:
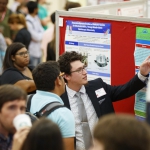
(65, 60)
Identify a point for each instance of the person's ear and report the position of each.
(12, 58)
(67, 77)
(58, 81)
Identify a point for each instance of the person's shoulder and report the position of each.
(97, 80)
(63, 110)
(63, 114)
(10, 76)
(65, 120)
(24, 31)
(29, 18)
(96, 83)
(11, 69)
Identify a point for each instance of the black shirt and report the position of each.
(23, 36)
(13, 75)
(50, 53)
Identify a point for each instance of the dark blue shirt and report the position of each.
(5, 143)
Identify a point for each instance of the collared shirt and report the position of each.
(90, 111)
(5, 143)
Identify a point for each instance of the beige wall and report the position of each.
(55, 4)
(82, 2)
(51, 6)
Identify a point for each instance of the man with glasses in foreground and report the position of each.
(89, 100)
(50, 85)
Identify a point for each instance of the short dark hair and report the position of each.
(65, 60)
(122, 132)
(31, 5)
(44, 134)
(45, 74)
(52, 17)
(11, 50)
(10, 92)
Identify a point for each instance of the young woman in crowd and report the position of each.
(16, 68)
(17, 23)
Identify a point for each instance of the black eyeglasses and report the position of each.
(80, 70)
(23, 54)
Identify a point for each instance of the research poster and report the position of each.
(142, 51)
(93, 41)
(136, 11)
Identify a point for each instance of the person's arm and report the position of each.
(68, 143)
(45, 21)
(35, 36)
(8, 41)
(128, 89)
(27, 85)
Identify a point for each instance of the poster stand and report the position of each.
(123, 36)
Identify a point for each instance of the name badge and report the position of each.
(100, 92)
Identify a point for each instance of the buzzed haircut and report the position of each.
(45, 74)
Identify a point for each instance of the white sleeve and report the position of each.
(35, 35)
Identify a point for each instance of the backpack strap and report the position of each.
(29, 102)
(49, 108)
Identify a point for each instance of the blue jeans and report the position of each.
(34, 61)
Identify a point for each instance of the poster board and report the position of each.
(137, 8)
(123, 36)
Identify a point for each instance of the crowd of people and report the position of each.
(86, 119)
(29, 22)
